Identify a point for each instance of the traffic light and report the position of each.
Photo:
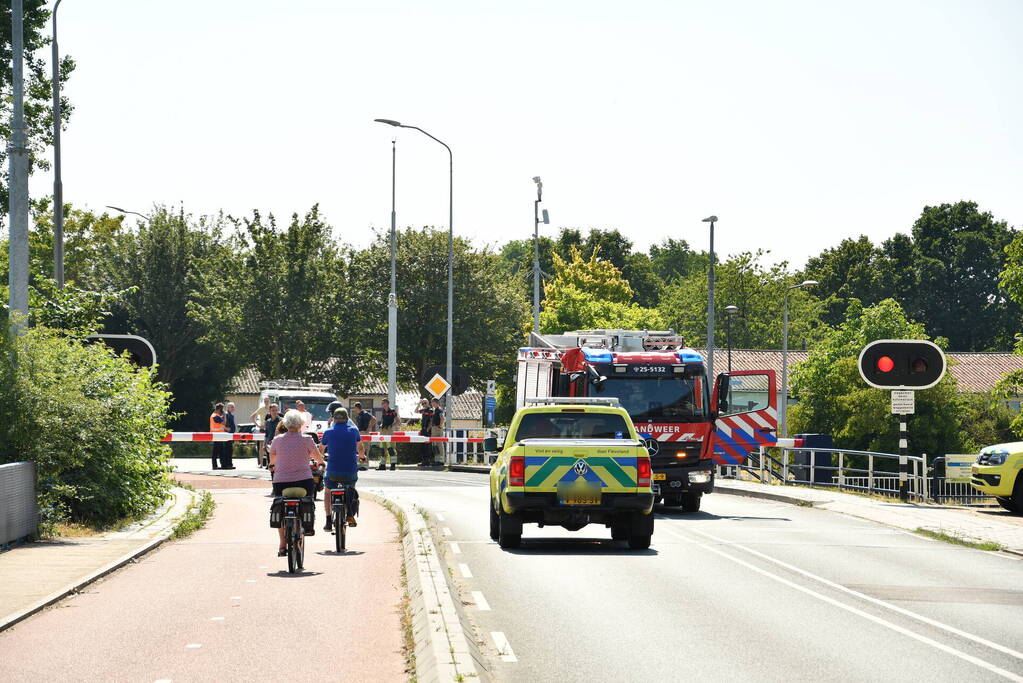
(140, 351)
(901, 364)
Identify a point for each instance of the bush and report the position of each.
(90, 421)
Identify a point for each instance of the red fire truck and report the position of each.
(687, 425)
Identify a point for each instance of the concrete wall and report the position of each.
(19, 514)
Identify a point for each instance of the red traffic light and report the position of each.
(885, 364)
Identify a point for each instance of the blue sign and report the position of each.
(489, 407)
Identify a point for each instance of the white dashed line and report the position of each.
(235, 597)
(193, 646)
(455, 548)
(250, 581)
(481, 602)
(263, 566)
(446, 531)
(503, 647)
(163, 680)
(216, 618)
(466, 574)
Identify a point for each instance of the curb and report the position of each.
(445, 650)
(765, 495)
(15, 617)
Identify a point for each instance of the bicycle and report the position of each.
(294, 534)
(339, 512)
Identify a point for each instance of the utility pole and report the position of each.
(58, 187)
(392, 299)
(710, 304)
(18, 179)
(536, 254)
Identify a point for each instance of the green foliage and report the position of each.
(985, 419)
(90, 421)
(758, 292)
(195, 518)
(673, 259)
(595, 276)
(37, 88)
(833, 399)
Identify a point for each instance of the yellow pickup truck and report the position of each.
(569, 463)
(997, 473)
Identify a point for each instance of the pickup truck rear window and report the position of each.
(572, 426)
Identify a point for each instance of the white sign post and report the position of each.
(903, 402)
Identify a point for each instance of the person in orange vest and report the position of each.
(218, 423)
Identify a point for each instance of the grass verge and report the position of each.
(405, 605)
(196, 515)
(958, 540)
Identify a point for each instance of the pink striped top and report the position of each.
(292, 452)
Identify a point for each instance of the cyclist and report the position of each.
(343, 444)
(289, 459)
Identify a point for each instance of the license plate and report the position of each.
(660, 476)
(579, 496)
(974, 470)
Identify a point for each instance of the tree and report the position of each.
(833, 399)
(849, 271)
(673, 259)
(516, 257)
(182, 280)
(38, 94)
(595, 276)
(759, 294)
(646, 286)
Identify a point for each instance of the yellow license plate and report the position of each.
(660, 476)
(579, 496)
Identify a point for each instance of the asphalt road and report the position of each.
(745, 590)
(220, 606)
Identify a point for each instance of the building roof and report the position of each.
(975, 372)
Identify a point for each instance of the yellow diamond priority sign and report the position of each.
(437, 386)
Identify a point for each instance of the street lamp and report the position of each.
(710, 302)
(117, 208)
(451, 242)
(730, 312)
(536, 251)
(392, 298)
(58, 187)
(785, 355)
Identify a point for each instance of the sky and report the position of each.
(796, 123)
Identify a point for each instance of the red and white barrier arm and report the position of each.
(212, 436)
(408, 437)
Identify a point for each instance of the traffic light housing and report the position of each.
(902, 364)
(140, 351)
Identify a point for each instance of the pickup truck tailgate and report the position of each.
(608, 464)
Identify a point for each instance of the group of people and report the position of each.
(223, 420)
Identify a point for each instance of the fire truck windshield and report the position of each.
(657, 398)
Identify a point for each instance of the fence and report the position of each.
(19, 514)
(466, 452)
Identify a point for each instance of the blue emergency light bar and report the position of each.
(689, 356)
(597, 355)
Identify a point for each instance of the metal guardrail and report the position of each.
(19, 512)
(471, 453)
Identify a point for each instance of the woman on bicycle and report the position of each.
(289, 457)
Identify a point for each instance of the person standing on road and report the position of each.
(437, 427)
(273, 418)
(289, 458)
(365, 421)
(307, 417)
(343, 445)
(232, 427)
(258, 418)
(218, 423)
(388, 418)
(426, 414)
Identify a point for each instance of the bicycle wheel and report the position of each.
(343, 536)
(301, 548)
(292, 550)
(339, 534)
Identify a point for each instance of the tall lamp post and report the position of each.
(58, 187)
(785, 355)
(710, 302)
(451, 242)
(536, 251)
(730, 312)
(17, 276)
(392, 298)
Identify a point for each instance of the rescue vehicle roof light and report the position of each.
(576, 400)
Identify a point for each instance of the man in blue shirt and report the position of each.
(343, 445)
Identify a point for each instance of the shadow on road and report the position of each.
(582, 546)
(283, 574)
(673, 513)
(331, 553)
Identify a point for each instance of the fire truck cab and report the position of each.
(688, 426)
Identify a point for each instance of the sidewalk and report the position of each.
(35, 575)
(972, 524)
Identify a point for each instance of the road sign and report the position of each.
(903, 402)
(959, 467)
(491, 387)
(459, 378)
(901, 364)
(437, 386)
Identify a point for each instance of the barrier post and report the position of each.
(903, 460)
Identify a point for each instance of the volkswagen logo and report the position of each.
(581, 467)
(652, 446)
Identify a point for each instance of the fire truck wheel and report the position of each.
(672, 501)
(691, 502)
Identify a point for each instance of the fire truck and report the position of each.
(688, 426)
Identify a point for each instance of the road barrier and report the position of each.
(404, 437)
(19, 513)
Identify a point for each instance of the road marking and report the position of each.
(193, 646)
(263, 566)
(876, 601)
(503, 647)
(250, 581)
(481, 602)
(870, 617)
(235, 597)
(439, 516)
(455, 548)
(464, 568)
(446, 531)
(216, 618)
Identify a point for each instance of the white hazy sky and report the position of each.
(797, 123)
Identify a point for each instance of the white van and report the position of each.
(316, 398)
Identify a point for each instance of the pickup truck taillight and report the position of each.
(643, 471)
(517, 471)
